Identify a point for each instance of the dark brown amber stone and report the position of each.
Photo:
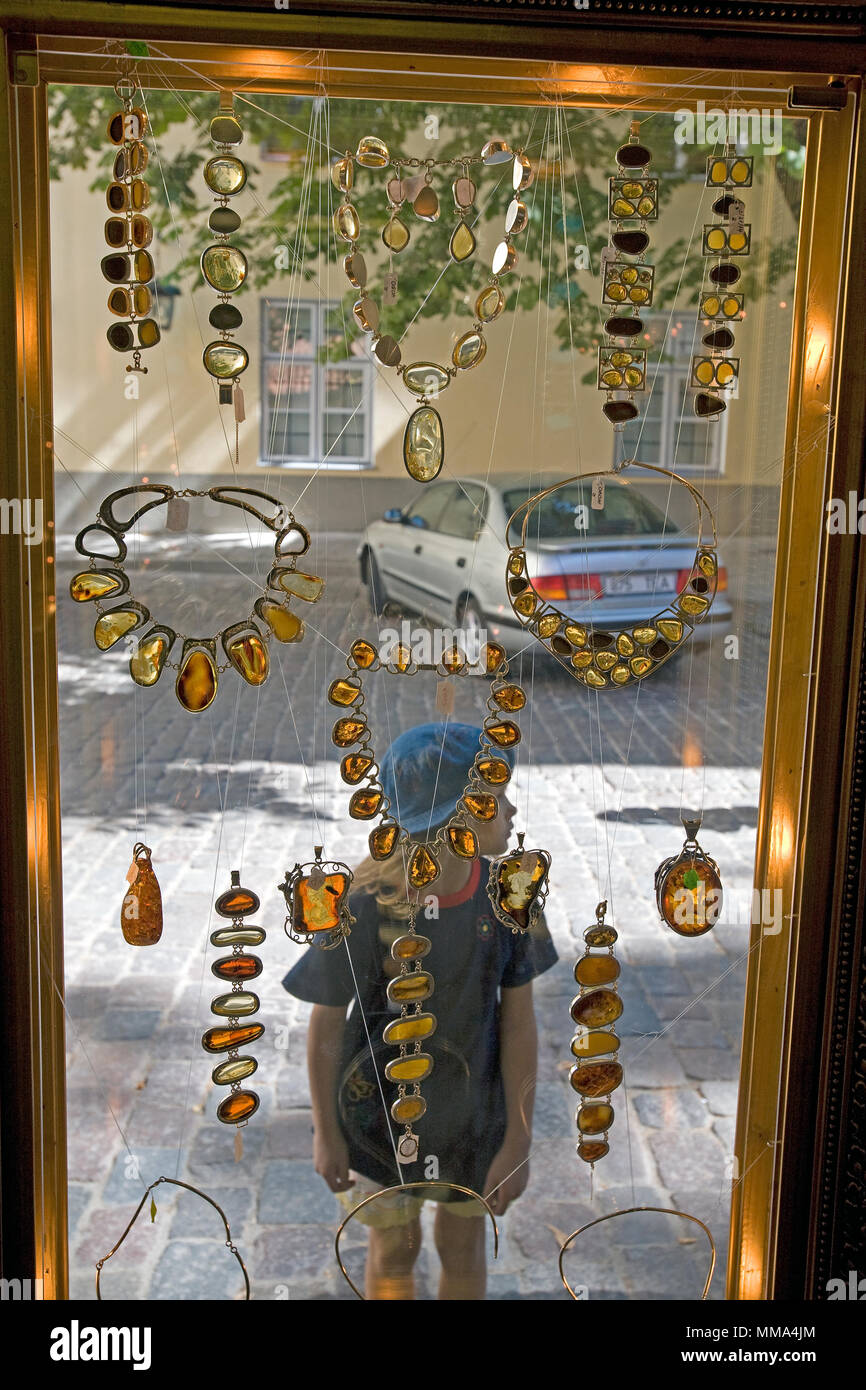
(720, 339)
(237, 967)
(423, 867)
(622, 326)
(594, 1044)
(347, 732)
(723, 205)
(595, 1078)
(237, 1107)
(354, 766)
(462, 842)
(365, 803)
(342, 692)
(595, 1119)
(633, 156)
(600, 640)
(237, 902)
(362, 653)
(659, 649)
(596, 1009)
(227, 1039)
(619, 411)
(561, 645)
(481, 805)
(725, 274)
(600, 935)
(383, 840)
(594, 1150)
(630, 243)
(504, 733)
(510, 697)
(705, 404)
(410, 988)
(596, 970)
(495, 771)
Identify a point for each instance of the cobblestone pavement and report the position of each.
(233, 788)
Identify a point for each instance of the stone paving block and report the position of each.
(293, 1088)
(689, 1160)
(684, 1006)
(192, 1218)
(127, 1025)
(195, 1270)
(539, 1229)
(552, 1112)
(290, 1254)
(651, 1063)
(725, 1128)
(670, 1110)
(693, 1032)
(290, 1135)
(665, 1272)
(130, 1174)
(292, 1193)
(105, 1225)
(721, 1096)
(709, 1063)
(78, 1195)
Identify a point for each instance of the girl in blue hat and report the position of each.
(477, 1128)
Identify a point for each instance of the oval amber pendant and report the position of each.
(196, 684)
(596, 970)
(141, 911)
(410, 947)
(238, 967)
(411, 1068)
(235, 1069)
(227, 1039)
(595, 1119)
(237, 1107)
(424, 444)
(595, 1079)
(412, 1028)
(410, 988)
(597, 1009)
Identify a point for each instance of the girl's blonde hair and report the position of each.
(385, 879)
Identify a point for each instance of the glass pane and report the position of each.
(289, 434)
(289, 384)
(344, 387)
(343, 434)
(288, 330)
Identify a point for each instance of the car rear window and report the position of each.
(626, 512)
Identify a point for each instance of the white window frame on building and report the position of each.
(665, 381)
(315, 456)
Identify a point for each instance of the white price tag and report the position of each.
(737, 215)
(608, 254)
(597, 502)
(240, 412)
(389, 287)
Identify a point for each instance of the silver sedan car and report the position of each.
(444, 555)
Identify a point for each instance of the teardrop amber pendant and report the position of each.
(462, 243)
(423, 867)
(141, 912)
(383, 840)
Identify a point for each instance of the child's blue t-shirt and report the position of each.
(473, 956)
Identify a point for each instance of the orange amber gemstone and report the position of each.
(453, 660)
(141, 912)
(510, 697)
(595, 1119)
(414, 1067)
(410, 988)
(595, 1078)
(407, 1109)
(494, 655)
(353, 767)
(462, 842)
(401, 658)
(596, 970)
(237, 967)
(504, 733)
(481, 805)
(365, 803)
(318, 908)
(412, 1028)
(423, 867)
(343, 692)
(347, 732)
(596, 1009)
(495, 771)
(362, 653)
(237, 1107)
(411, 947)
(227, 1039)
(249, 656)
(520, 880)
(237, 902)
(196, 684)
(383, 840)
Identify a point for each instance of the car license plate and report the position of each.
(650, 583)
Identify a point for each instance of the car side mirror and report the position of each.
(393, 514)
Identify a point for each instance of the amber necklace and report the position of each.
(424, 436)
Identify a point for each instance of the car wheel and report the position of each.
(375, 588)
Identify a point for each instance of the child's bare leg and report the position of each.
(391, 1256)
(460, 1245)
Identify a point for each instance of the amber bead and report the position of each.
(546, 627)
(249, 655)
(412, 1028)
(110, 627)
(237, 1107)
(595, 1119)
(237, 902)
(317, 906)
(594, 1044)
(640, 665)
(494, 655)
(354, 766)
(141, 912)
(671, 628)
(410, 947)
(411, 1068)
(410, 988)
(362, 653)
(596, 1009)
(595, 1078)
(453, 660)
(493, 770)
(239, 1004)
(481, 805)
(284, 624)
(347, 732)
(462, 842)
(594, 1150)
(645, 635)
(196, 684)
(510, 697)
(365, 802)
(235, 1069)
(343, 692)
(237, 936)
(237, 967)
(408, 1109)
(504, 733)
(383, 840)
(93, 584)
(596, 970)
(423, 867)
(227, 1039)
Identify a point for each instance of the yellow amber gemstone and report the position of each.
(633, 375)
(671, 628)
(644, 635)
(595, 1119)
(395, 234)
(548, 625)
(463, 842)
(141, 910)
(285, 625)
(196, 684)
(619, 675)
(462, 242)
(347, 223)
(343, 174)
(413, 1028)
(453, 660)
(237, 1107)
(423, 867)
(412, 1068)
(226, 1039)
(408, 1109)
(509, 697)
(425, 378)
(239, 1004)
(383, 840)
(575, 633)
(632, 189)
(724, 373)
(317, 906)
(719, 171)
(362, 653)
(354, 766)
(343, 692)
(605, 660)
(423, 444)
(238, 936)
(596, 1009)
(707, 565)
(148, 659)
(305, 586)
(616, 292)
(595, 1044)
(581, 659)
(612, 378)
(595, 1078)
(469, 350)
(411, 947)
(249, 655)
(716, 239)
(235, 1069)
(730, 307)
(347, 732)
(489, 304)
(704, 373)
(737, 241)
(526, 604)
(622, 208)
(505, 734)
(690, 910)
(93, 584)
(515, 564)
(365, 803)
(638, 296)
(236, 903)
(493, 770)
(710, 306)
(596, 970)
(372, 152)
(624, 644)
(481, 805)
(401, 658)
(645, 206)
(494, 655)
(520, 880)
(740, 171)
(592, 1151)
(600, 935)
(694, 604)
(410, 988)
(628, 275)
(112, 626)
(640, 665)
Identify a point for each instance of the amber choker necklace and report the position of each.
(424, 436)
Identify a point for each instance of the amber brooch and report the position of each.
(600, 658)
(317, 896)
(244, 644)
(517, 886)
(238, 1006)
(689, 887)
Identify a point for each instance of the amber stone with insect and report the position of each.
(237, 1107)
(347, 731)
(595, 1078)
(411, 988)
(595, 1119)
(227, 1039)
(596, 1009)
(342, 692)
(354, 766)
(383, 840)
(596, 970)
(237, 967)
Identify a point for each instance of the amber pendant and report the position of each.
(424, 444)
(316, 896)
(596, 1073)
(689, 887)
(235, 1007)
(517, 886)
(141, 912)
